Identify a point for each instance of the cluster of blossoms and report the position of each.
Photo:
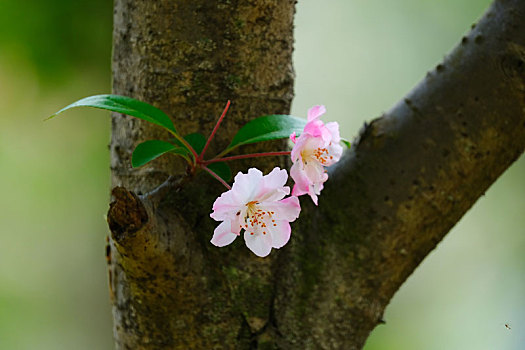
(256, 203)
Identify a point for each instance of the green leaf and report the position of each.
(269, 127)
(125, 105)
(346, 142)
(222, 169)
(197, 141)
(147, 151)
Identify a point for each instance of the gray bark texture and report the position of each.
(409, 177)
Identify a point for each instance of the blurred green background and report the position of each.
(358, 57)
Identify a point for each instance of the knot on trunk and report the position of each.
(126, 214)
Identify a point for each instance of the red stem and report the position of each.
(201, 156)
(217, 177)
(251, 155)
(188, 146)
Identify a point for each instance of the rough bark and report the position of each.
(408, 179)
(188, 58)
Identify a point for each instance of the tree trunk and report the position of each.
(408, 179)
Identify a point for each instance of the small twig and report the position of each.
(217, 177)
(201, 156)
(158, 193)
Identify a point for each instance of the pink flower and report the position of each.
(316, 148)
(255, 203)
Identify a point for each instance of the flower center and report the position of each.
(251, 208)
(317, 154)
(321, 154)
(256, 219)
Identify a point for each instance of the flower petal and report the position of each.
(276, 178)
(298, 147)
(315, 172)
(225, 207)
(280, 233)
(308, 179)
(333, 127)
(314, 197)
(287, 209)
(315, 112)
(258, 243)
(246, 186)
(315, 190)
(316, 128)
(335, 151)
(272, 186)
(302, 183)
(222, 235)
(293, 137)
(238, 222)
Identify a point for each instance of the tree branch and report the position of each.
(410, 177)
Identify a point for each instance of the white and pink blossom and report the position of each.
(255, 204)
(317, 147)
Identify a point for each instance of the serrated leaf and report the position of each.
(269, 127)
(125, 105)
(147, 151)
(222, 169)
